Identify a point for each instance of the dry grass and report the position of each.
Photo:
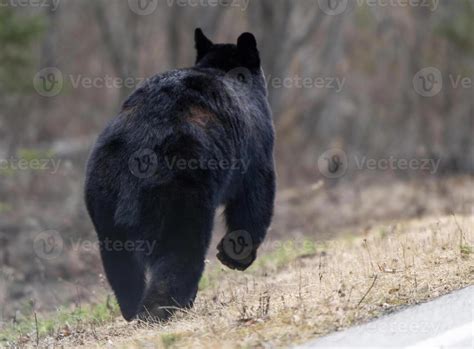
(325, 212)
(295, 294)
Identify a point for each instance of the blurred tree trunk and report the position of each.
(48, 54)
(282, 39)
(122, 42)
(50, 39)
(174, 39)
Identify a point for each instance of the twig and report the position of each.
(366, 293)
(461, 234)
(37, 330)
(349, 296)
(366, 245)
(298, 193)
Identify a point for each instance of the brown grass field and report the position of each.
(300, 290)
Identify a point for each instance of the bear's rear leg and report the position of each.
(176, 266)
(173, 285)
(125, 275)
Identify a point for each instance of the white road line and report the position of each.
(447, 339)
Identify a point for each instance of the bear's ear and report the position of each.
(202, 43)
(248, 52)
(247, 41)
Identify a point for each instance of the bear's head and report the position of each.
(227, 56)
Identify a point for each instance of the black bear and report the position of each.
(184, 142)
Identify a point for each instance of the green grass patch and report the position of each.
(170, 340)
(51, 324)
(5, 207)
(466, 250)
(32, 154)
(279, 257)
(286, 252)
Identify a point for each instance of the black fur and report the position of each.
(214, 112)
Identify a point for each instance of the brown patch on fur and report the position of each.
(199, 116)
(127, 111)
